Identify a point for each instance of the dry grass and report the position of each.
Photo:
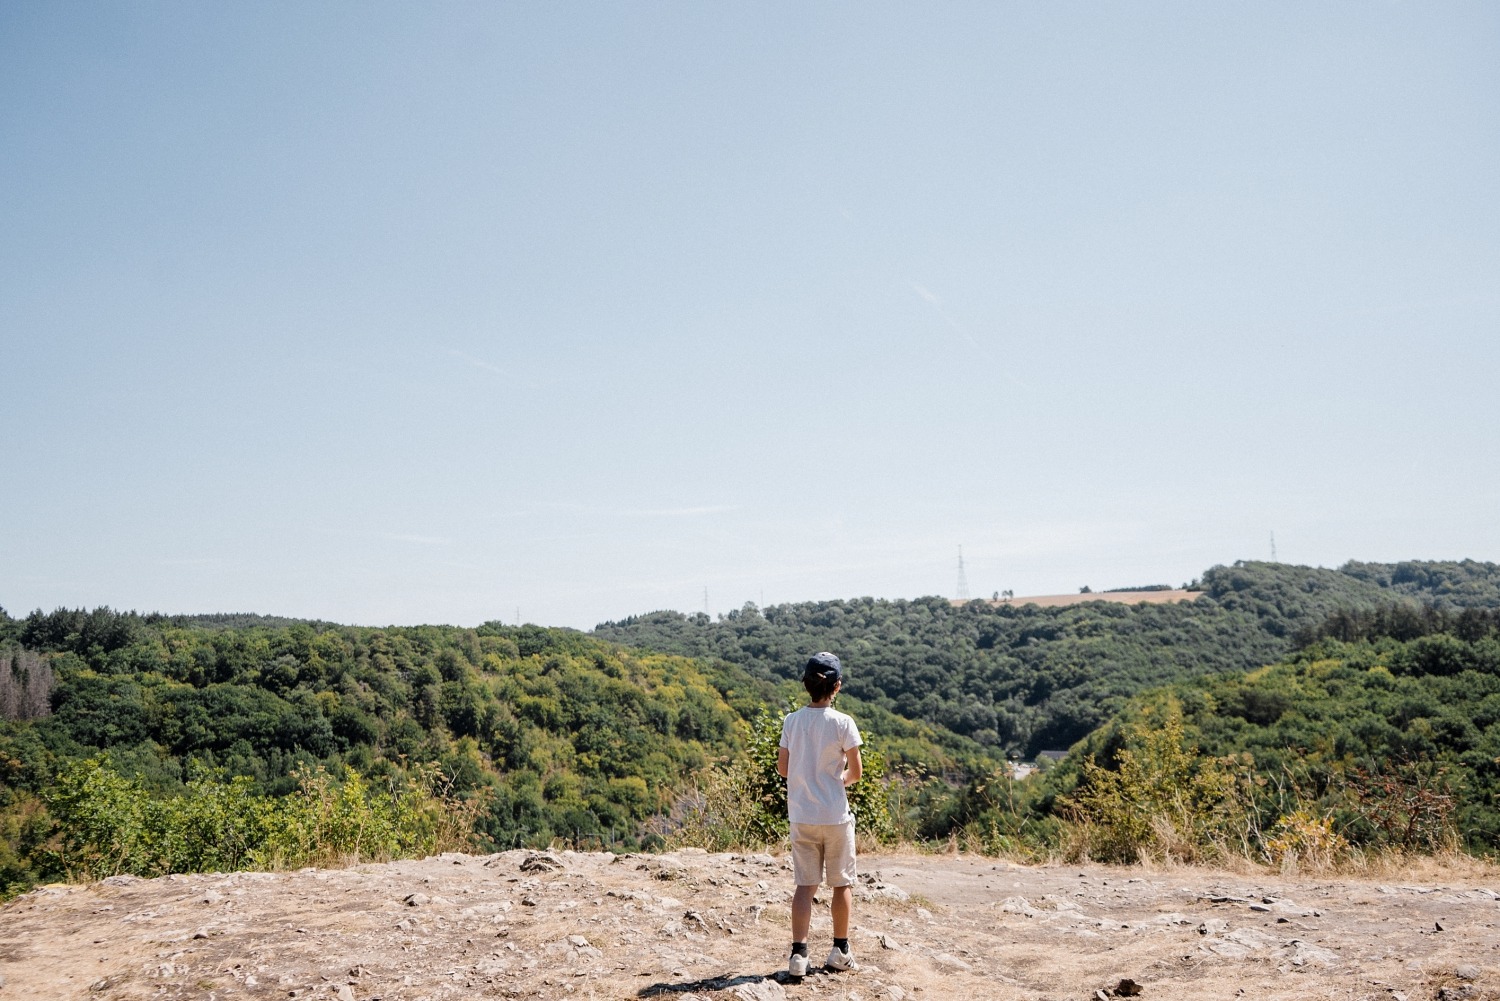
(1386, 865)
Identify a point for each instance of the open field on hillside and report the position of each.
(1122, 597)
(690, 925)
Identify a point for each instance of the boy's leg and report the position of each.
(840, 908)
(807, 870)
(802, 902)
(841, 875)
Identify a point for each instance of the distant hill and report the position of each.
(1444, 584)
(1024, 678)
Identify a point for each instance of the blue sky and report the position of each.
(397, 313)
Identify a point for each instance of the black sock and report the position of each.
(841, 944)
(799, 948)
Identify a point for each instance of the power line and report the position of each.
(963, 580)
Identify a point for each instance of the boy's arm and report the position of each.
(781, 761)
(853, 766)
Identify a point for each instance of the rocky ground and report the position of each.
(690, 925)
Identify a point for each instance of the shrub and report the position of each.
(109, 824)
(1161, 801)
(1303, 838)
(743, 803)
(1404, 806)
(24, 825)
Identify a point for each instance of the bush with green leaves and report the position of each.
(1160, 800)
(332, 820)
(24, 827)
(743, 803)
(109, 824)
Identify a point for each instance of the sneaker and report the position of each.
(841, 959)
(797, 965)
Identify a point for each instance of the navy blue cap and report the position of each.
(824, 665)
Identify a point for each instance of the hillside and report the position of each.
(1025, 678)
(1389, 726)
(1157, 596)
(695, 926)
(151, 744)
(543, 733)
(130, 742)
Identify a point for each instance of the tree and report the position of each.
(26, 683)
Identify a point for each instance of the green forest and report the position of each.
(1296, 703)
(536, 734)
(561, 734)
(1021, 678)
(1382, 730)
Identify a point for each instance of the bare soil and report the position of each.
(690, 925)
(1123, 597)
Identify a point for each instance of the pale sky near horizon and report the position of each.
(399, 313)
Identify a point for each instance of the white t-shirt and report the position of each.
(815, 741)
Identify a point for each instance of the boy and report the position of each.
(819, 758)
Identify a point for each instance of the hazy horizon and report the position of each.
(1017, 599)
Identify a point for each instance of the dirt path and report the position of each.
(690, 926)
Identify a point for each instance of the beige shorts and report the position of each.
(820, 847)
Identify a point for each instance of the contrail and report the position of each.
(958, 329)
(477, 362)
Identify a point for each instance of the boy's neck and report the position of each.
(824, 704)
